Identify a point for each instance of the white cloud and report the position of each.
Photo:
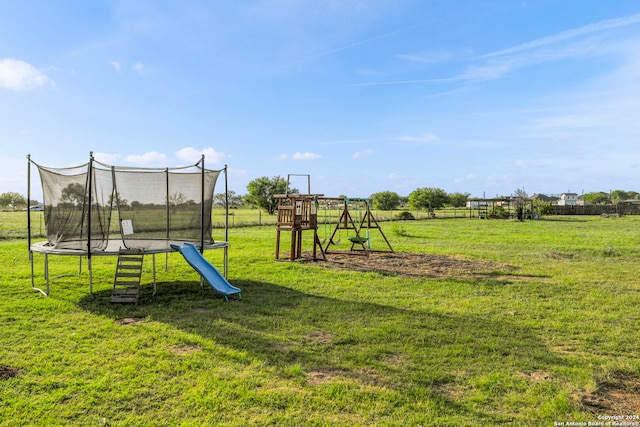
(364, 153)
(567, 35)
(426, 138)
(146, 159)
(13, 177)
(497, 66)
(368, 72)
(298, 156)
(238, 172)
(139, 67)
(394, 176)
(564, 45)
(18, 76)
(192, 155)
(433, 57)
(116, 65)
(352, 141)
(110, 159)
(574, 43)
(469, 177)
(305, 156)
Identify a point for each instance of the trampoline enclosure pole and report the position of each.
(89, 225)
(202, 208)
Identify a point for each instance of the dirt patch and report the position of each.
(558, 255)
(181, 350)
(130, 320)
(394, 359)
(320, 337)
(536, 376)
(323, 376)
(7, 372)
(621, 397)
(419, 265)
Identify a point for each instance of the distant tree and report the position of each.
(12, 200)
(262, 190)
(619, 195)
(177, 199)
(543, 208)
(520, 193)
(235, 201)
(520, 196)
(596, 198)
(73, 193)
(117, 200)
(428, 198)
(458, 200)
(385, 200)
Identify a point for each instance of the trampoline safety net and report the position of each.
(95, 201)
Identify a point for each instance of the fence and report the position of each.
(253, 217)
(619, 209)
(13, 224)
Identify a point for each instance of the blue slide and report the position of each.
(208, 272)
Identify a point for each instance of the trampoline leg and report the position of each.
(154, 273)
(90, 277)
(33, 286)
(226, 262)
(31, 263)
(46, 272)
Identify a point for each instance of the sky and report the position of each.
(480, 97)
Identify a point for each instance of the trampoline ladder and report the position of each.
(126, 284)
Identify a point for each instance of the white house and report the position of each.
(477, 203)
(568, 199)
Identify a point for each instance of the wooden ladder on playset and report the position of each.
(126, 284)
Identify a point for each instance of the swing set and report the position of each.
(362, 227)
(299, 212)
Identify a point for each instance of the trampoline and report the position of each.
(97, 209)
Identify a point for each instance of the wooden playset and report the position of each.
(299, 212)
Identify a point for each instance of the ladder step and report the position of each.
(124, 299)
(126, 282)
(125, 292)
(121, 274)
(120, 284)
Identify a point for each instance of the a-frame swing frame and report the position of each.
(359, 243)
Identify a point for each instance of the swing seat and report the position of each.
(356, 239)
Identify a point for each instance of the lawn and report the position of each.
(510, 323)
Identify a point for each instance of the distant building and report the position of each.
(544, 198)
(477, 203)
(568, 199)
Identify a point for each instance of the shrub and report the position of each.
(406, 215)
(498, 212)
(399, 230)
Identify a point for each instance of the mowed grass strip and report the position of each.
(547, 334)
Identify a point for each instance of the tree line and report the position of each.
(611, 198)
(260, 194)
(261, 190)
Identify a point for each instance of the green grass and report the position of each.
(520, 345)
